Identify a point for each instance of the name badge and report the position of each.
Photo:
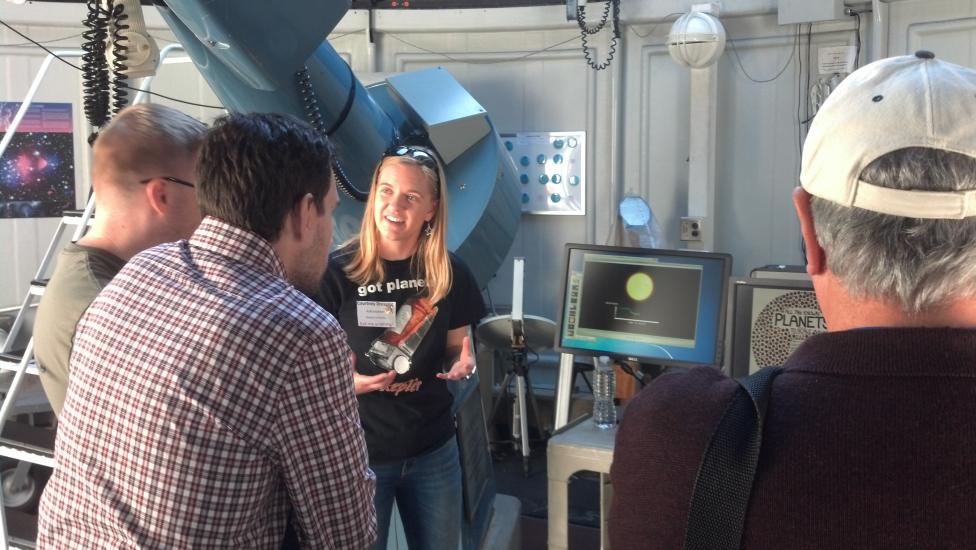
(376, 314)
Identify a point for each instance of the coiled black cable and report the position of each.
(120, 49)
(309, 100)
(314, 115)
(95, 80)
(581, 20)
(79, 69)
(345, 184)
(586, 31)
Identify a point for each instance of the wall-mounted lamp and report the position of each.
(696, 40)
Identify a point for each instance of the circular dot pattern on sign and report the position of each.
(783, 324)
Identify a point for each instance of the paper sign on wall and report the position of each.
(37, 170)
(836, 59)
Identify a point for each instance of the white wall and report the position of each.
(635, 113)
(24, 241)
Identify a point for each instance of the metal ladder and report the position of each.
(27, 444)
(24, 443)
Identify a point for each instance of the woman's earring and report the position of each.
(428, 228)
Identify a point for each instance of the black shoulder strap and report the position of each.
(721, 495)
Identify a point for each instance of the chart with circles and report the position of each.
(552, 170)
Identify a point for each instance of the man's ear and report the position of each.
(155, 191)
(303, 216)
(816, 258)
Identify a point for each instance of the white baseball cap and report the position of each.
(898, 102)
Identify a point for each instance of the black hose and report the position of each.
(581, 20)
(120, 49)
(343, 180)
(95, 76)
(314, 116)
(587, 31)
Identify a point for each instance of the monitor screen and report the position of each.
(665, 307)
(769, 319)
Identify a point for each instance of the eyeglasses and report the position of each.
(170, 179)
(420, 155)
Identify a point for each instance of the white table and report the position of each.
(581, 446)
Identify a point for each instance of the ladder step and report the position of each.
(28, 443)
(69, 220)
(73, 217)
(37, 287)
(11, 362)
(21, 529)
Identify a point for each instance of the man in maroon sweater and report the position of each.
(870, 438)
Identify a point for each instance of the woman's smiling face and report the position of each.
(404, 201)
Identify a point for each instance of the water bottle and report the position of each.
(604, 387)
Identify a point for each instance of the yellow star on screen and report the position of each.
(640, 286)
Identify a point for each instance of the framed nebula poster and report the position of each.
(37, 170)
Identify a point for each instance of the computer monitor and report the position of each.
(781, 271)
(769, 319)
(664, 307)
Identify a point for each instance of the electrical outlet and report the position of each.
(692, 229)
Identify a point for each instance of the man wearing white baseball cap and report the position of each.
(868, 438)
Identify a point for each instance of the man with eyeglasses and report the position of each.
(143, 166)
(211, 399)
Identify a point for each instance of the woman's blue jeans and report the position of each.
(427, 489)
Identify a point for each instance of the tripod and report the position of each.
(517, 332)
(523, 396)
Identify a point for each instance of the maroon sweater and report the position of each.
(870, 442)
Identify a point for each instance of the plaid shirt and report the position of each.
(207, 397)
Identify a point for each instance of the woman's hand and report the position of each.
(366, 384)
(464, 366)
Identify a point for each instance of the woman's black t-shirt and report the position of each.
(390, 323)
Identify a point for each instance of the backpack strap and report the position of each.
(720, 498)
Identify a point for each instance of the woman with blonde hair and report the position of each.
(406, 304)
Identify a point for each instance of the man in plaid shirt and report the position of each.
(209, 397)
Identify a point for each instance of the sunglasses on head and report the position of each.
(420, 155)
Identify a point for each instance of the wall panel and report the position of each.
(497, 55)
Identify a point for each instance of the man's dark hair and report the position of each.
(253, 167)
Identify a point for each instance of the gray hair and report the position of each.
(914, 263)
